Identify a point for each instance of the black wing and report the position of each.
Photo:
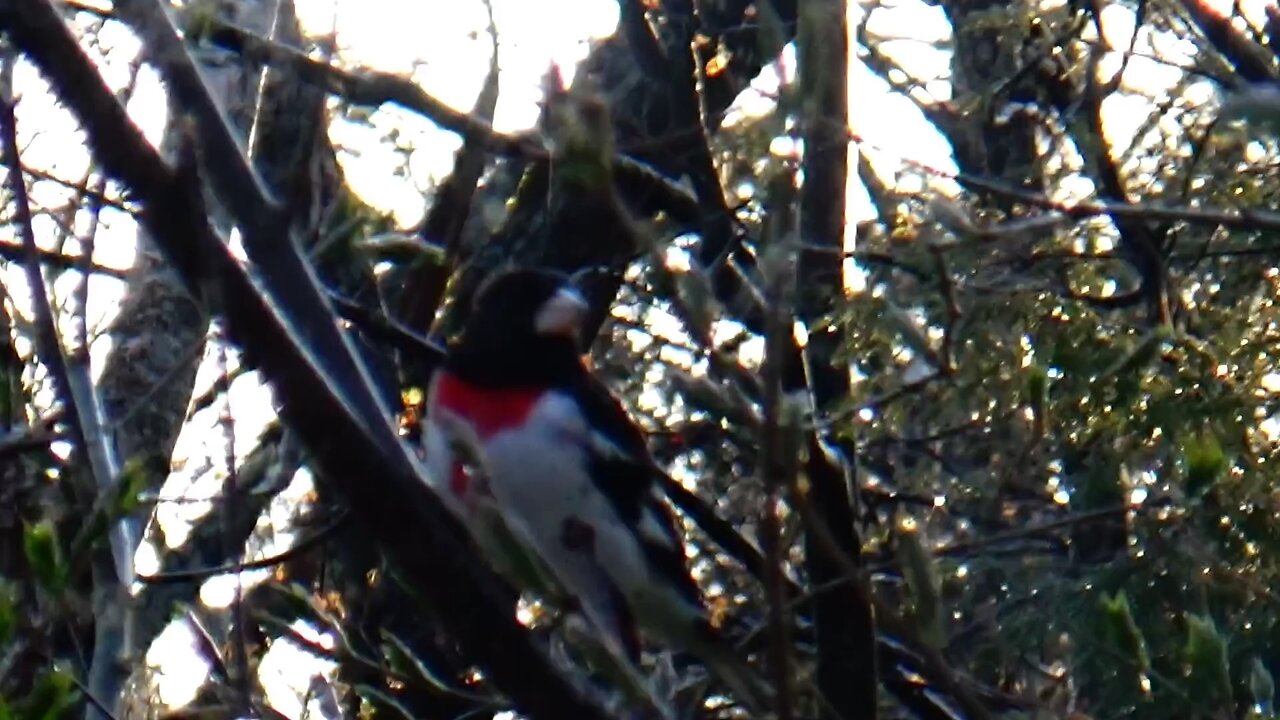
(619, 458)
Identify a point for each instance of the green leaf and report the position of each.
(132, 483)
(1123, 632)
(44, 555)
(1038, 395)
(1147, 349)
(1209, 670)
(582, 136)
(1037, 388)
(54, 694)
(920, 572)
(199, 19)
(1205, 462)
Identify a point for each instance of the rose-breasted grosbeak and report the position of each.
(556, 461)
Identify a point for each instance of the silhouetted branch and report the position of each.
(1247, 218)
(644, 46)
(72, 383)
(302, 546)
(778, 455)
(372, 88)
(1250, 61)
(425, 280)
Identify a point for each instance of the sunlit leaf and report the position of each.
(920, 571)
(55, 692)
(1123, 630)
(1205, 462)
(1205, 653)
(44, 555)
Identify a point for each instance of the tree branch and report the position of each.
(844, 621)
(73, 386)
(302, 546)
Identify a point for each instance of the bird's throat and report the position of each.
(488, 410)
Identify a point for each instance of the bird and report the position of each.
(518, 428)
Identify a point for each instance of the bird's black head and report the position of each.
(524, 329)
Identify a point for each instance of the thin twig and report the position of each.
(49, 348)
(1082, 518)
(36, 437)
(88, 193)
(231, 540)
(91, 698)
(236, 181)
(60, 261)
(74, 389)
(888, 618)
(305, 545)
(383, 328)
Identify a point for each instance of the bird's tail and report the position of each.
(605, 658)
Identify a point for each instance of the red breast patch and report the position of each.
(489, 411)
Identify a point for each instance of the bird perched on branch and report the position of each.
(558, 460)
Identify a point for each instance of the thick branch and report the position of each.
(844, 621)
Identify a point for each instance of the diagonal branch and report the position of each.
(73, 384)
(235, 181)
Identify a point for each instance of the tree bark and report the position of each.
(843, 619)
(158, 340)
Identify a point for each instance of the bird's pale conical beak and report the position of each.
(562, 314)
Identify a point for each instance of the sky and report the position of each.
(444, 46)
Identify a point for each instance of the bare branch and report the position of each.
(60, 261)
(234, 178)
(778, 451)
(72, 383)
(301, 547)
